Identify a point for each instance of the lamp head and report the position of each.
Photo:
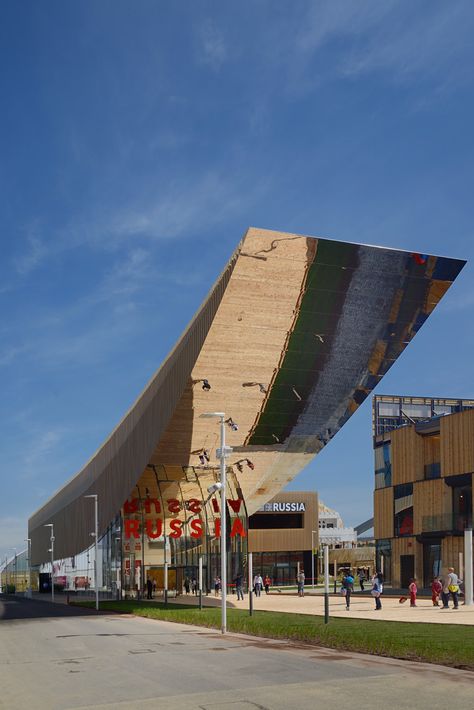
(214, 488)
(212, 415)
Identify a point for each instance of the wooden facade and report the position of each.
(432, 468)
(295, 539)
(383, 513)
(407, 456)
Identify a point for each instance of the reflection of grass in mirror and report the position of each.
(446, 644)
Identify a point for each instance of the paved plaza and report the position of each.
(362, 607)
(59, 657)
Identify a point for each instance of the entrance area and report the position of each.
(407, 569)
(431, 561)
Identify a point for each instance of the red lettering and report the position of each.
(235, 505)
(131, 506)
(132, 528)
(215, 505)
(175, 526)
(194, 505)
(156, 503)
(197, 529)
(173, 505)
(217, 527)
(238, 528)
(149, 528)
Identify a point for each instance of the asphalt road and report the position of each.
(57, 657)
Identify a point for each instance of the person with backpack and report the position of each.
(347, 588)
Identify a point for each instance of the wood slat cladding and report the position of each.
(407, 456)
(457, 443)
(275, 540)
(430, 498)
(451, 547)
(285, 339)
(383, 513)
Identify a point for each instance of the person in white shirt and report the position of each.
(258, 584)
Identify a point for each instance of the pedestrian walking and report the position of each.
(149, 588)
(347, 588)
(257, 584)
(413, 589)
(187, 585)
(361, 576)
(194, 586)
(377, 590)
(217, 586)
(300, 580)
(266, 583)
(238, 581)
(450, 587)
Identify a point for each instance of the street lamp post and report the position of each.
(28, 540)
(95, 534)
(15, 579)
(222, 454)
(326, 584)
(313, 532)
(51, 540)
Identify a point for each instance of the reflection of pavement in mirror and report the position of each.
(362, 607)
(127, 663)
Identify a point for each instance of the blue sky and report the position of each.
(140, 140)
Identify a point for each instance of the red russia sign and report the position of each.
(153, 528)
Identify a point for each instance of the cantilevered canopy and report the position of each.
(293, 337)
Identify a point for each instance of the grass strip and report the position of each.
(445, 644)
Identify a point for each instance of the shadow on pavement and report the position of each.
(17, 608)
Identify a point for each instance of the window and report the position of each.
(403, 509)
(383, 465)
(275, 521)
(418, 411)
(432, 470)
(387, 409)
(442, 409)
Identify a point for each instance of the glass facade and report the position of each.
(383, 559)
(14, 574)
(390, 412)
(403, 509)
(168, 519)
(383, 465)
(281, 567)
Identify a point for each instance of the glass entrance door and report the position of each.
(431, 562)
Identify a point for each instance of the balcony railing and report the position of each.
(446, 522)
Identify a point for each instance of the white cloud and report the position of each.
(212, 47)
(34, 254)
(348, 38)
(41, 446)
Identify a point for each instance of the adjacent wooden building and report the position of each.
(423, 498)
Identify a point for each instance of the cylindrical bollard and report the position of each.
(250, 583)
(200, 582)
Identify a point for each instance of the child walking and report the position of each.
(412, 588)
(436, 589)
